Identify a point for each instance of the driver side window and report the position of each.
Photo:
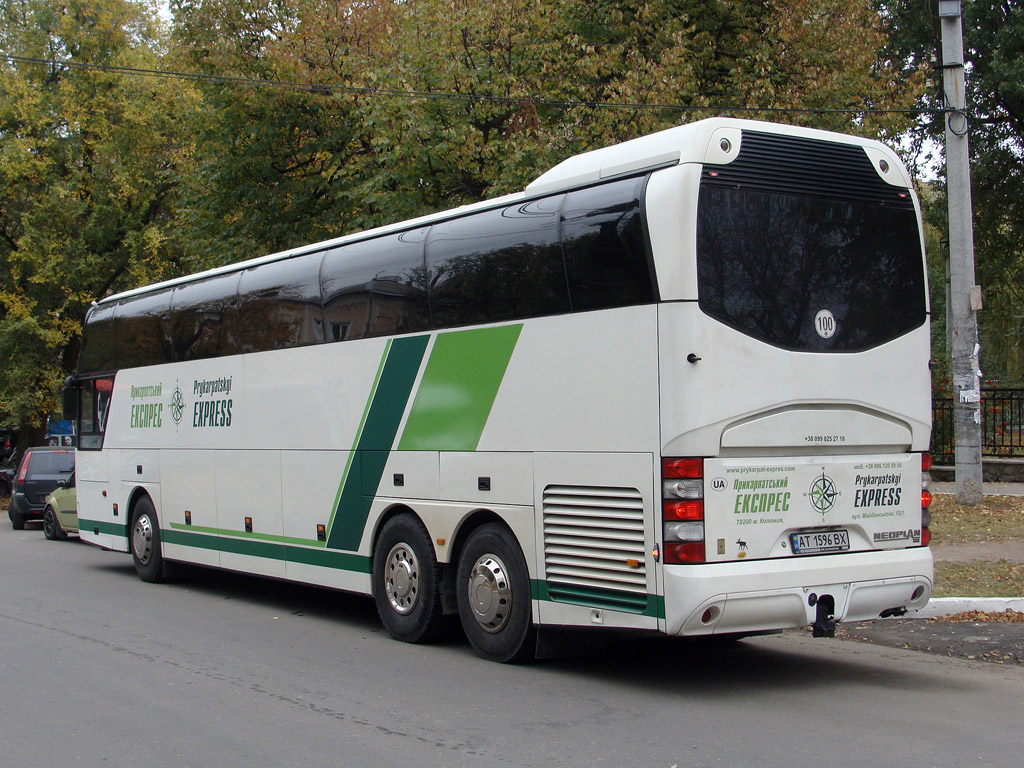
(93, 409)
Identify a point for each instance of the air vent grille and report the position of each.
(796, 165)
(594, 538)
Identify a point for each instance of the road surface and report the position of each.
(98, 668)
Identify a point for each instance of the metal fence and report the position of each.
(1002, 425)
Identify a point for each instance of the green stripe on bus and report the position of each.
(457, 392)
(257, 548)
(97, 526)
(592, 597)
(375, 441)
(246, 535)
(359, 433)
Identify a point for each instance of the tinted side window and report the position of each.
(204, 318)
(605, 256)
(497, 265)
(375, 288)
(143, 330)
(279, 304)
(98, 347)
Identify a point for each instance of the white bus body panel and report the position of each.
(745, 397)
(580, 383)
(189, 483)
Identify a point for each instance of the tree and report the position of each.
(87, 176)
(277, 165)
(421, 105)
(536, 84)
(994, 55)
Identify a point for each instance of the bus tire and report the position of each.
(51, 528)
(493, 593)
(405, 580)
(144, 542)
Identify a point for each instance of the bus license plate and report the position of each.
(816, 542)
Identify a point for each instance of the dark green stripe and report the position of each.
(609, 599)
(254, 547)
(342, 561)
(338, 560)
(96, 526)
(376, 440)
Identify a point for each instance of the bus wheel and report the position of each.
(145, 542)
(493, 592)
(51, 528)
(405, 581)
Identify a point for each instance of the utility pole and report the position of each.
(964, 297)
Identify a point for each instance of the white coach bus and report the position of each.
(679, 384)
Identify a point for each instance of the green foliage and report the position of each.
(274, 165)
(87, 171)
(495, 92)
(994, 51)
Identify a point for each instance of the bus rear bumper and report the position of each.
(717, 598)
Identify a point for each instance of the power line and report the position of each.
(324, 88)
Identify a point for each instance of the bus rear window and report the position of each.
(809, 273)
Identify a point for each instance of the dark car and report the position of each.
(40, 471)
(7, 472)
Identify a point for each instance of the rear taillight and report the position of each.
(24, 467)
(682, 510)
(926, 499)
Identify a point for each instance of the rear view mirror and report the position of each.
(70, 399)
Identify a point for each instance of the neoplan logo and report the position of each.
(912, 534)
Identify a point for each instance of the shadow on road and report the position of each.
(789, 660)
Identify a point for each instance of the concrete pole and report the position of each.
(964, 297)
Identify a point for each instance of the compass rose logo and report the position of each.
(177, 405)
(822, 493)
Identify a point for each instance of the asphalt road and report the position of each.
(100, 669)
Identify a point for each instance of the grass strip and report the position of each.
(999, 578)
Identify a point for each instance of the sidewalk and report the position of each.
(973, 637)
(989, 489)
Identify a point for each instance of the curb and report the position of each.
(948, 606)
